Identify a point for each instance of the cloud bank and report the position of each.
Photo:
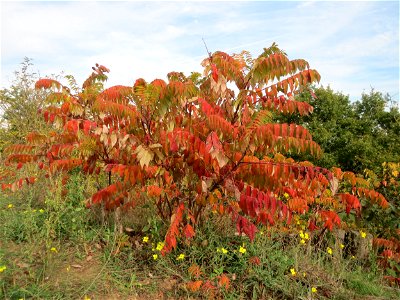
(353, 45)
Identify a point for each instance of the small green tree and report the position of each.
(19, 105)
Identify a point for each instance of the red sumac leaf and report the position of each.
(189, 231)
(255, 260)
(214, 72)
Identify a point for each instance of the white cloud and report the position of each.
(345, 42)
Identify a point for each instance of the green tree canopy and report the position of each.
(354, 136)
(19, 106)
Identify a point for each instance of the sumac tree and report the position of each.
(192, 145)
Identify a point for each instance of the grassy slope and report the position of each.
(56, 249)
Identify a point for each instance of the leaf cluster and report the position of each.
(194, 146)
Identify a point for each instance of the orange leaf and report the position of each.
(224, 281)
(194, 286)
(194, 270)
(188, 231)
(47, 83)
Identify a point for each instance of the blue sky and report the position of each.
(353, 45)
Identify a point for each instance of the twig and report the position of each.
(208, 52)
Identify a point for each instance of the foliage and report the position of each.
(386, 225)
(19, 106)
(213, 265)
(190, 148)
(362, 137)
(354, 136)
(42, 226)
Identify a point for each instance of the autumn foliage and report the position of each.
(191, 146)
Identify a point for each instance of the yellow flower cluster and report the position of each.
(293, 272)
(329, 250)
(2, 268)
(363, 234)
(160, 246)
(145, 239)
(181, 257)
(242, 249)
(304, 237)
(222, 250)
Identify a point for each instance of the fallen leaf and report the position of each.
(194, 286)
(224, 281)
(76, 266)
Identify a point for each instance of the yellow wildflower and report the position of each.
(306, 237)
(181, 257)
(41, 211)
(86, 298)
(53, 249)
(363, 234)
(155, 256)
(353, 257)
(145, 239)
(223, 250)
(286, 195)
(302, 242)
(160, 246)
(2, 268)
(314, 289)
(329, 250)
(293, 271)
(242, 250)
(301, 234)
(304, 274)
(10, 205)
(341, 246)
